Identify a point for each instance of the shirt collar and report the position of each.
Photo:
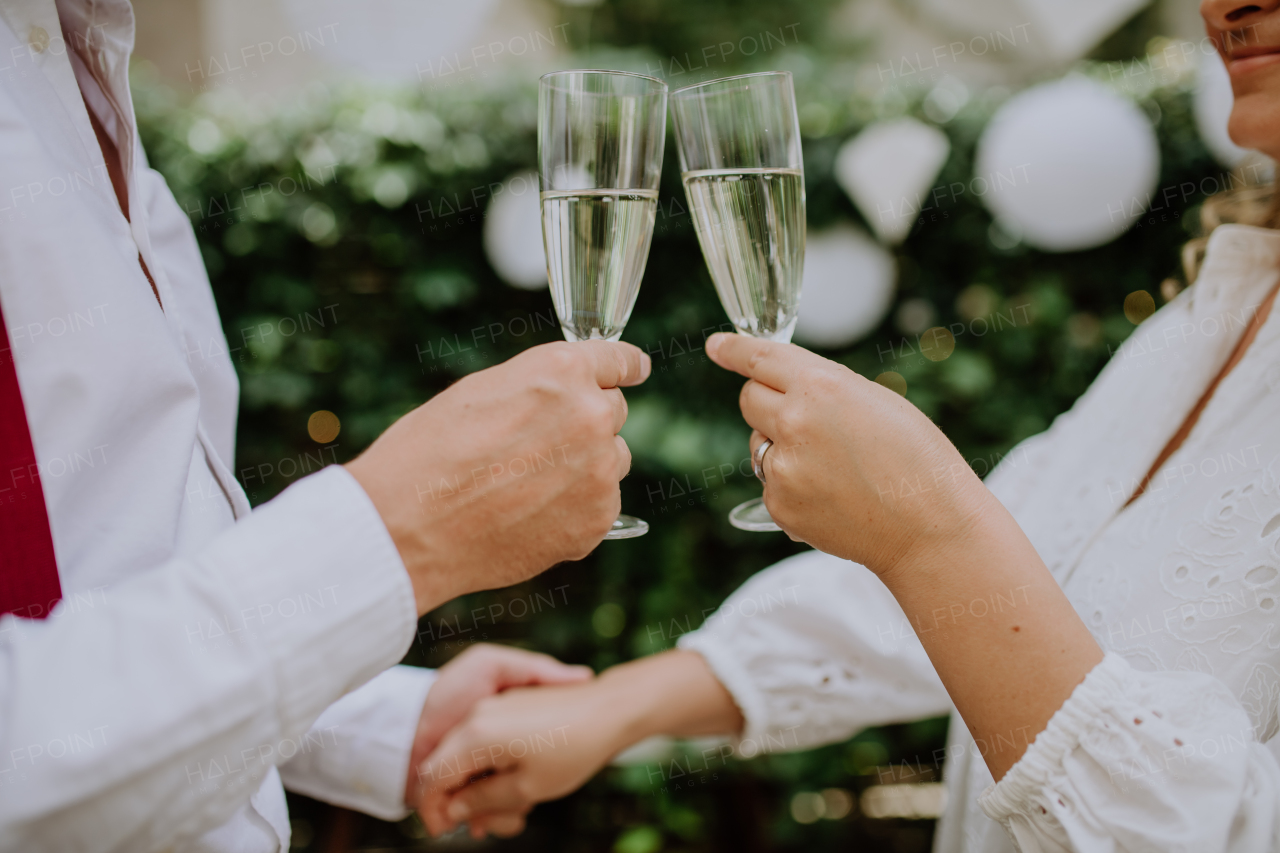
(100, 32)
(1240, 267)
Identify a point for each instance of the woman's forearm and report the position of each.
(1003, 637)
(672, 693)
(857, 471)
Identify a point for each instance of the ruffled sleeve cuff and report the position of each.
(730, 670)
(813, 649)
(1138, 760)
(1102, 688)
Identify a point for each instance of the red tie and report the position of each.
(28, 571)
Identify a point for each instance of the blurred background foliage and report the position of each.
(683, 29)
(343, 235)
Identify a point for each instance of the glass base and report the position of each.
(753, 516)
(628, 527)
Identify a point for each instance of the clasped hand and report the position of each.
(484, 720)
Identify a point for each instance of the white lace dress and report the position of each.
(1162, 747)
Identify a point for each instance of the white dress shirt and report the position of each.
(198, 646)
(1161, 748)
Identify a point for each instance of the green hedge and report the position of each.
(337, 288)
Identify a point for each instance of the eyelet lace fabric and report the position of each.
(1163, 746)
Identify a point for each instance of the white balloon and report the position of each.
(513, 233)
(1212, 103)
(1067, 165)
(887, 170)
(849, 280)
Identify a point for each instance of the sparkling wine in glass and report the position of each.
(600, 141)
(740, 161)
(597, 242)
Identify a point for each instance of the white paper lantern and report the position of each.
(848, 287)
(1212, 105)
(888, 169)
(946, 99)
(513, 233)
(1072, 28)
(431, 42)
(1042, 32)
(1067, 165)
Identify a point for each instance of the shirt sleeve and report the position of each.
(356, 755)
(1143, 761)
(814, 649)
(145, 719)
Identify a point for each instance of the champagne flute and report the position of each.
(740, 161)
(600, 141)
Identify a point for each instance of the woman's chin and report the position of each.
(1255, 123)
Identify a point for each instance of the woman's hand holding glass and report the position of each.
(854, 469)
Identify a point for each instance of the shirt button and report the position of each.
(38, 38)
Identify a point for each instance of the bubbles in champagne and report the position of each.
(751, 225)
(597, 242)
